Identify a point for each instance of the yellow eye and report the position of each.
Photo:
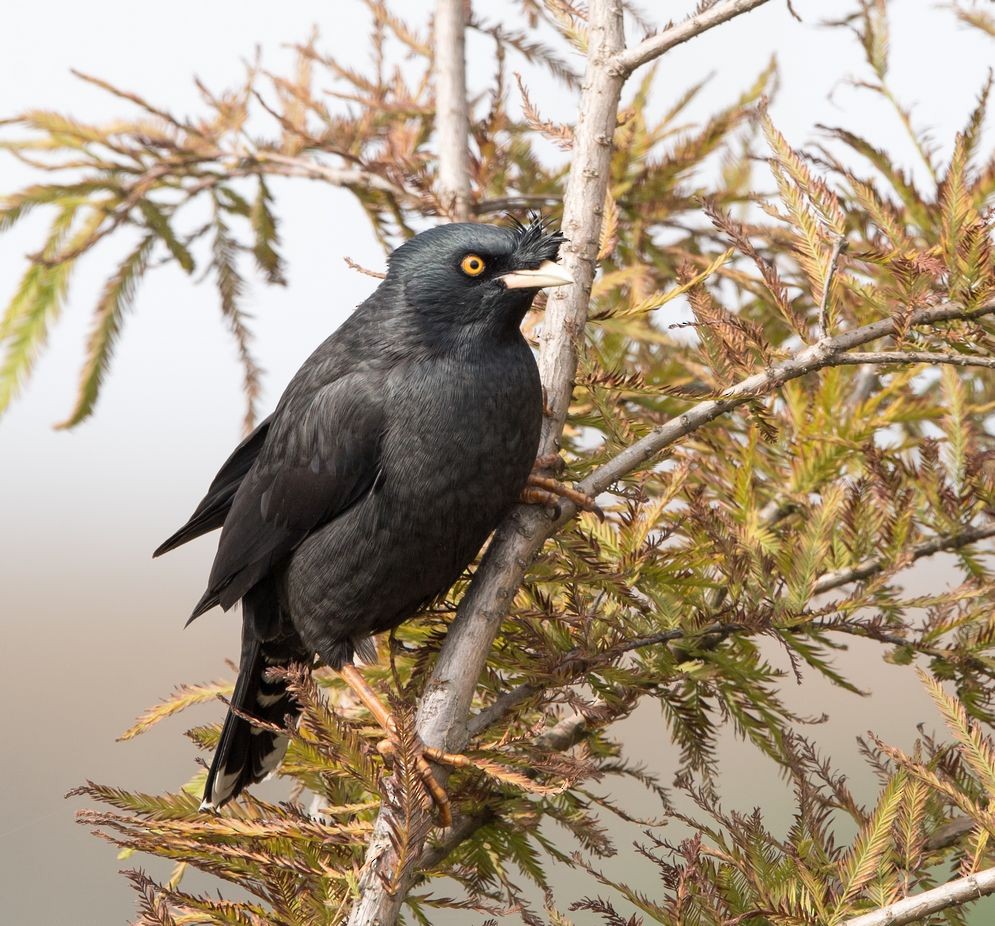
(472, 265)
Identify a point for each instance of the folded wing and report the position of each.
(319, 457)
(210, 514)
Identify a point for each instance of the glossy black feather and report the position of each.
(395, 450)
(210, 514)
(246, 753)
(319, 457)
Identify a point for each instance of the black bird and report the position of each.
(396, 449)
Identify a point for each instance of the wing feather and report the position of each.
(320, 456)
(210, 514)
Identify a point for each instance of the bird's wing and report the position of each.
(210, 514)
(320, 456)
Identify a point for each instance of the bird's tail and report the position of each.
(247, 754)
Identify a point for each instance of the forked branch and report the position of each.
(826, 352)
(577, 662)
(444, 707)
(655, 45)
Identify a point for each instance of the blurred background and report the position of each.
(92, 627)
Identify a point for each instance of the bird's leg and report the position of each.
(542, 489)
(387, 748)
(549, 462)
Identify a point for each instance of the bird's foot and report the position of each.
(546, 491)
(549, 463)
(493, 770)
(388, 748)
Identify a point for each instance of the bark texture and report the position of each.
(452, 121)
(917, 908)
(443, 713)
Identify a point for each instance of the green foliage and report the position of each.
(787, 520)
(735, 866)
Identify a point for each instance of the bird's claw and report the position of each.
(388, 749)
(549, 462)
(542, 490)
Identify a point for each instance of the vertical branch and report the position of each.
(442, 713)
(452, 118)
(444, 708)
(583, 205)
(825, 304)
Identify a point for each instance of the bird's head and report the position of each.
(484, 276)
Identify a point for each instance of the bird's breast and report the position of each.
(462, 438)
(458, 444)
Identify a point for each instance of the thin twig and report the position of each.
(352, 265)
(839, 246)
(655, 45)
(943, 837)
(462, 829)
(116, 217)
(578, 661)
(513, 203)
(863, 385)
(901, 356)
(827, 352)
(291, 166)
(944, 543)
(917, 908)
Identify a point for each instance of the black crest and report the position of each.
(534, 241)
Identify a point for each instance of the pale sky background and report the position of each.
(92, 627)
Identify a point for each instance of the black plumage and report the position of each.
(395, 450)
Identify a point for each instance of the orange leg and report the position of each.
(552, 462)
(544, 490)
(355, 680)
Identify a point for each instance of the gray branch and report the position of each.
(452, 117)
(287, 165)
(655, 45)
(824, 304)
(445, 705)
(444, 708)
(909, 356)
(917, 908)
(830, 581)
(826, 352)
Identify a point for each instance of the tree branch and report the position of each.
(462, 829)
(826, 352)
(941, 544)
(445, 705)
(945, 836)
(824, 304)
(581, 660)
(655, 45)
(452, 118)
(513, 203)
(901, 356)
(274, 162)
(917, 908)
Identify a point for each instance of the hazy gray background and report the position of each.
(92, 627)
